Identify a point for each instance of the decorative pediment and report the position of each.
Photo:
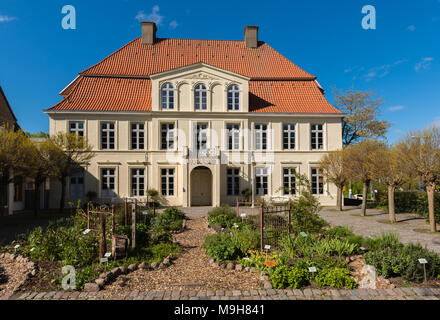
(201, 76)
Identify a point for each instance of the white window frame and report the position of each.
(201, 137)
(136, 180)
(290, 140)
(318, 133)
(261, 174)
(261, 136)
(234, 177)
(107, 131)
(105, 179)
(290, 175)
(136, 134)
(167, 93)
(170, 137)
(233, 136)
(200, 94)
(233, 93)
(169, 192)
(76, 130)
(317, 177)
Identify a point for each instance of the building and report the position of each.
(198, 120)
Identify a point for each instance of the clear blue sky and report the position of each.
(400, 59)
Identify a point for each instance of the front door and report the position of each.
(201, 187)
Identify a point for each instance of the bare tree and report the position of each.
(66, 153)
(363, 112)
(334, 169)
(421, 152)
(390, 170)
(360, 165)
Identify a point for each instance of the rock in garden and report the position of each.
(247, 269)
(253, 270)
(166, 261)
(162, 266)
(103, 275)
(12, 257)
(265, 278)
(31, 265)
(91, 287)
(132, 267)
(123, 270)
(116, 272)
(100, 282)
(154, 265)
(267, 285)
(34, 272)
(230, 266)
(238, 267)
(211, 261)
(369, 278)
(223, 266)
(2, 255)
(144, 266)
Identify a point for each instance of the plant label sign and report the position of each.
(270, 263)
(33, 249)
(17, 246)
(312, 269)
(86, 231)
(303, 234)
(267, 247)
(243, 215)
(423, 261)
(108, 255)
(362, 248)
(145, 212)
(104, 260)
(246, 258)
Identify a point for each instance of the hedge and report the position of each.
(410, 202)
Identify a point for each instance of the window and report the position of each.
(261, 136)
(233, 182)
(261, 181)
(200, 100)
(76, 127)
(76, 187)
(289, 136)
(289, 181)
(316, 134)
(201, 137)
(137, 182)
(167, 94)
(18, 190)
(167, 136)
(233, 98)
(167, 182)
(107, 135)
(317, 182)
(233, 136)
(108, 183)
(137, 136)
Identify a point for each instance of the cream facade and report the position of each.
(185, 153)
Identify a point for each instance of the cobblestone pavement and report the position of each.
(306, 294)
(376, 223)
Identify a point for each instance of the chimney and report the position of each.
(148, 32)
(251, 36)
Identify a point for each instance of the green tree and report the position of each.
(15, 148)
(66, 154)
(390, 170)
(360, 165)
(334, 169)
(420, 150)
(362, 115)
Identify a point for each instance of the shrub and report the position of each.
(298, 277)
(334, 246)
(325, 262)
(224, 221)
(162, 250)
(86, 275)
(340, 232)
(336, 278)
(220, 247)
(280, 277)
(142, 233)
(222, 210)
(246, 239)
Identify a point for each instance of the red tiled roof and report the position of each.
(128, 94)
(121, 81)
(138, 60)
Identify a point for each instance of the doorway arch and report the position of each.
(201, 186)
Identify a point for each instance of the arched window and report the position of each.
(200, 97)
(233, 97)
(167, 93)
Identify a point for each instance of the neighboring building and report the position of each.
(7, 117)
(198, 120)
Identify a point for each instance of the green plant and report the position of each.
(334, 246)
(298, 277)
(86, 275)
(220, 247)
(222, 210)
(224, 221)
(336, 278)
(280, 277)
(246, 239)
(340, 232)
(162, 250)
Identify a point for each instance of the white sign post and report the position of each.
(423, 262)
(312, 270)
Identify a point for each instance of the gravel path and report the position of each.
(376, 223)
(12, 275)
(190, 271)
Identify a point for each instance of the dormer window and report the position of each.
(233, 98)
(200, 100)
(167, 94)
